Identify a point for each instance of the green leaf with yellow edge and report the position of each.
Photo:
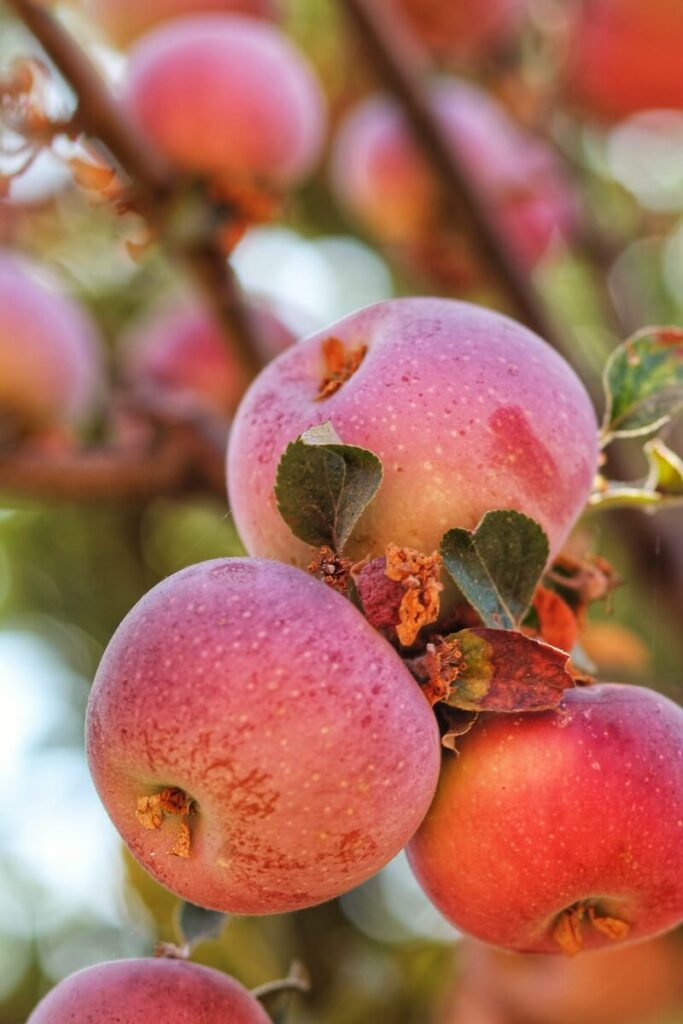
(503, 670)
(663, 485)
(498, 566)
(643, 382)
(666, 470)
(323, 486)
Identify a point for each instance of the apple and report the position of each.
(50, 351)
(561, 830)
(227, 96)
(257, 744)
(632, 984)
(378, 172)
(468, 411)
(465, 28)
(181, 350)
(625, 56)
(141, 991)
(125, 20)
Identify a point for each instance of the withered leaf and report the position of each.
(503, 670)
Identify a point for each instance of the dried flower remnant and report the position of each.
(340, 364)
(418, 574)
(331, 569)
(151, 811)
(567, 932)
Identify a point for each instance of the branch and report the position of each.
(101, 117)
(399, 67)
(181, 460)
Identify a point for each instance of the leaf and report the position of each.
(323, 487)
(643, 382)
(498, 566)
(666, 469)
(502, 670)
(197, 924)
(663, 485)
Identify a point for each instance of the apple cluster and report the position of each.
(261, 746)
(376, 674)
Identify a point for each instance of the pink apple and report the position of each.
(560, 816)
(147, 992)
(468, 411)
(223, 95)
(50, 351)
(263, 699)
(379, 174)
(181, 350)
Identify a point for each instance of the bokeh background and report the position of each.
(69, 572)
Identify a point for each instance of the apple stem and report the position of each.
(297, 980)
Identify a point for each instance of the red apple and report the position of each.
(259, 700)
(181, 350)
(561, 829)
(625, 56)
(468, 411)
(147, 992)
(633, 984)
(50, 351)
(465, 27)
(223, 95)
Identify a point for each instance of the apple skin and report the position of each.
(540, 811)
(633, 984)
(468, 411)
(309, 749)
(465, 28)
(50, 351)
(125, 20)
(379, 175)
(625, 56)
(180, 349)
(144, 991)
(224, 95)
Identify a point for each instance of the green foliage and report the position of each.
(324, 486)
(498, 566)
(643, 383)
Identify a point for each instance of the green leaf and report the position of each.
(663, 485)
(506, 671)
(643, 383)
(323, 487)
(498, 566)
(666, 469)
(197, 924)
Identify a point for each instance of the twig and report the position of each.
(402, 73)
(181, 461)
(101, 117)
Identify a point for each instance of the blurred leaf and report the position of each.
(502, 670)
(666, 469)
(498, 565)
(663, 485)
(643, 383)
(197, 924)
(323, 486)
